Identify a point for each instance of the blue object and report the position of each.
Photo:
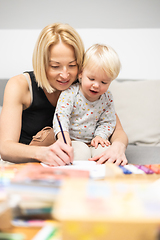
(125, 171)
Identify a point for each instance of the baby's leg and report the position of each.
(98, 150)
(81, 151)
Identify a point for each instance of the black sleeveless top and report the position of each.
(38, 115)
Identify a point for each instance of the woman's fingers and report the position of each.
(58, 154)
(114, 154)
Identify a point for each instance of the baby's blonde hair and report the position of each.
(50, 36)
(103, 57)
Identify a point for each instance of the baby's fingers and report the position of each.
(107, 143)
(94, 143)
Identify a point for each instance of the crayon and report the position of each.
(134, 169)
(145, 169)
(125, 170)
(154, 167)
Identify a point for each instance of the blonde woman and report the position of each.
(30, 100)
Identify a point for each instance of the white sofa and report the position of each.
(137, 105)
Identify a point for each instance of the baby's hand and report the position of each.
(95, 141)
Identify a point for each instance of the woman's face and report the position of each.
(63, 69)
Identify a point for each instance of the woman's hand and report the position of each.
(58, 154)
(99, 140)
(114, 154)
(67, 137)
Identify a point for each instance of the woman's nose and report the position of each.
(64, 73)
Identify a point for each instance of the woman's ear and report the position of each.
(80, 77)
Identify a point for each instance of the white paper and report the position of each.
(97, 171)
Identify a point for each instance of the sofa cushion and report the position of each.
(3, 83)
(143, 154)
(137, 105)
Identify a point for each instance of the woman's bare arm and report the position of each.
(16, 98)
(119, 134)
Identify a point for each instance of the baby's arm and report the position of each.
(64, 109)
(107, 121)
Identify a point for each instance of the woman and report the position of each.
(30, 100)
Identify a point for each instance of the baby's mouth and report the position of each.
(93, 91)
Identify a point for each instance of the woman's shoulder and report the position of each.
(19, 80)
(17, 87)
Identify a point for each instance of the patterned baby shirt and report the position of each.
(84, 119)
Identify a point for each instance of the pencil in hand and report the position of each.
(64, 139)
(61, 128)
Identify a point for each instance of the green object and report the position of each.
(11, 236)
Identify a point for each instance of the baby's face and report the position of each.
(94, 83)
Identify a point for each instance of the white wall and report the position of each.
(131, 27)
(36, 14)
(138, 49)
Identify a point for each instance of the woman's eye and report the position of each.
(55, 67)
(73, 65)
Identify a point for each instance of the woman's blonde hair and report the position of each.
(50, 36)
(103, 57)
